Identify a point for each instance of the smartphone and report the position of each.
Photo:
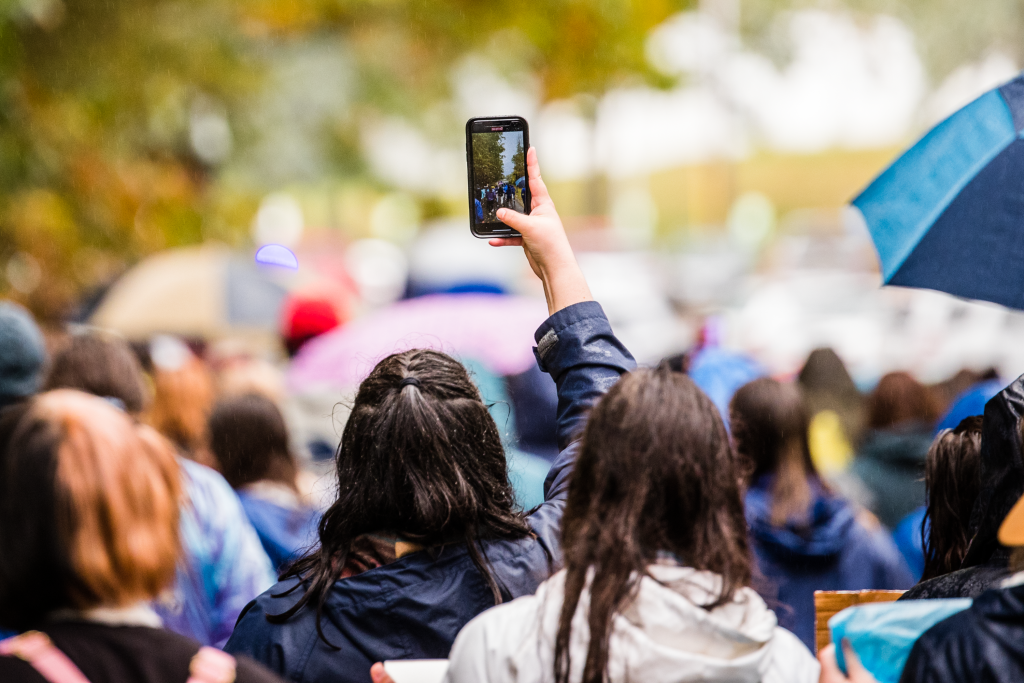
(496, 159)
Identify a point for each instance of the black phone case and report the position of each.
(473, 228)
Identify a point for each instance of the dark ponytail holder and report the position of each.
(409, 381)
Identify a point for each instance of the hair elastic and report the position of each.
(409, 381)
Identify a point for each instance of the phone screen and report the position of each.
(497, 170)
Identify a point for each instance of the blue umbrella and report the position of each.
(949, 213)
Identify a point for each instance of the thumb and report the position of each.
(858, 674)
(379, 675)
(519, 222)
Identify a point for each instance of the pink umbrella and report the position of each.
(494, 329)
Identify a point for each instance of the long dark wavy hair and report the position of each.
(656, 473)
(420, 458)
(952, 475)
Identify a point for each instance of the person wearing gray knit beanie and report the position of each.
(22, 354)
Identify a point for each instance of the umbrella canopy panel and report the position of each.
(494, 329)
(949, 213)
(202, 292)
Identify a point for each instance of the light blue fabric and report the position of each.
(285, 532)
(719, 373)
(526, 472)
(883, 633)
(907, 536)
(901, 205)
(971, 402)
(224, 564)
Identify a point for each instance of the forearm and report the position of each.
(566, 291)
(565, 285)
(577, 347)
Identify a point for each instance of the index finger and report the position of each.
(538, 189)
(830, 672)
(858, 673)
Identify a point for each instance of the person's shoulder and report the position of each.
(205, 478)
(95, 646)
(14, 670)
(527, 610)
(791, 661)
(250, 671)
(272, 644)
(275, 600)
(488, 649)
(132, 637)
(870, 540)
(253, 625)
(969, 582)
(946, 644)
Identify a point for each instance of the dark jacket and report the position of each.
(983, 644)
(890, 464)
(414, 607)
(1002, 484)
(831, 551)
(125, 654)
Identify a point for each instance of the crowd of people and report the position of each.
(153, 525)
(496, 196)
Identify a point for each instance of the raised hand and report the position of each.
(830, 672)
(545, 243)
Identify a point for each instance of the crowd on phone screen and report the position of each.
(496, 196)
(155, 527)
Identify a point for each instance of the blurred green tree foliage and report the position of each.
(949, 33)
(488, 149)
(103, 157)
(127, 126)
(518, 163)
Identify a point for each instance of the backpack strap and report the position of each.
(211, 665)
(38, 650)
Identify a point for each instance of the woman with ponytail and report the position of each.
(425, 533)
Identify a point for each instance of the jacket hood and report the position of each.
(665, 634)
(903, 445)
(668, 612)
(822, 535)
(1002, 471)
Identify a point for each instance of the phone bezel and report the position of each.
(499, 229)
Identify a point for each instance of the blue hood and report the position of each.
(823, 535)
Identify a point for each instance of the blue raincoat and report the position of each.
(829, 551)
(413, 607)
(284, 531)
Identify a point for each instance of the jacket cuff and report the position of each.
(548, 333)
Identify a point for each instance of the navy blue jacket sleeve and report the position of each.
(577, 347)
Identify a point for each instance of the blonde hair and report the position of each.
(117, 494)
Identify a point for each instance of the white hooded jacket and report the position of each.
(664, 636)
